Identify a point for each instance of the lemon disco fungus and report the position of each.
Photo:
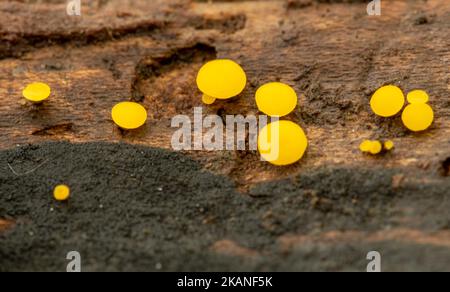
(418, 96)
(376, 147)
(282, 143)
(36, 92)
(129, 115)
(387, 101)
(221, 79)
(208, 99)
(418, 117)
(372, 147)
(389, 145)
(61, 193)
(365, 146)
(276, 99)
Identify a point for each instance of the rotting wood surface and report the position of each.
(333, 54)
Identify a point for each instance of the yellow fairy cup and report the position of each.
(282, 143)
(36, 92)
(389, 145)
(418, 96)
(221, 79)
(372, 147)
(129, 115)
(418, 117)
(61, 193)
(376, 147)
(208, 100)
(387, 101)
(276, 99)
(365, 146)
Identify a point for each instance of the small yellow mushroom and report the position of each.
(418, 96)
(276, 99)
(61, 193)
(376, 147)
(36, 92)
(208, 100)
(389, 145)
(418, 117)
(372, 147)
(282, 143)
(365, 146)
(129, 115)
(221, 79)
(387, 101)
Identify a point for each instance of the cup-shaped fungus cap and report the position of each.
(365, 146)
(372, 147)
(376, 147)
(208, 100)
(282, 143)
(221, 79)
(36, 92)
(418, 96)
(389, 145)
(129, 115)
(276, 99)
(418, 117)
(387, 101)
(61, 193)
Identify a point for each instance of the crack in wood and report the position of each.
(53, 130)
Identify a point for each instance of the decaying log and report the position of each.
(331, 52)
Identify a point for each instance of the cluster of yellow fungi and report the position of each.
(376, 147)
(388, 101)
(280, 142)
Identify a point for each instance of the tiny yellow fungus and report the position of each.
(418, 96)
(129, 115)
(61, 193)
(36, 92)
(282, 143)
(365, 146)
(276, 99)
(389, 145)
(208, 99)
(376, 147)
(387, 101)
(418, 117)
(221, 79)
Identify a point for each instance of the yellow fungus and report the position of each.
(282, 143)
(389, 145)
(276, 99)
(221, 79)
(376, 147)
(129, 115)
(61, 193)
(418, 96)
(418, 117)
(365, 146)
(208, 99)
(36, 92)
(387, 101)
(372, 147)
